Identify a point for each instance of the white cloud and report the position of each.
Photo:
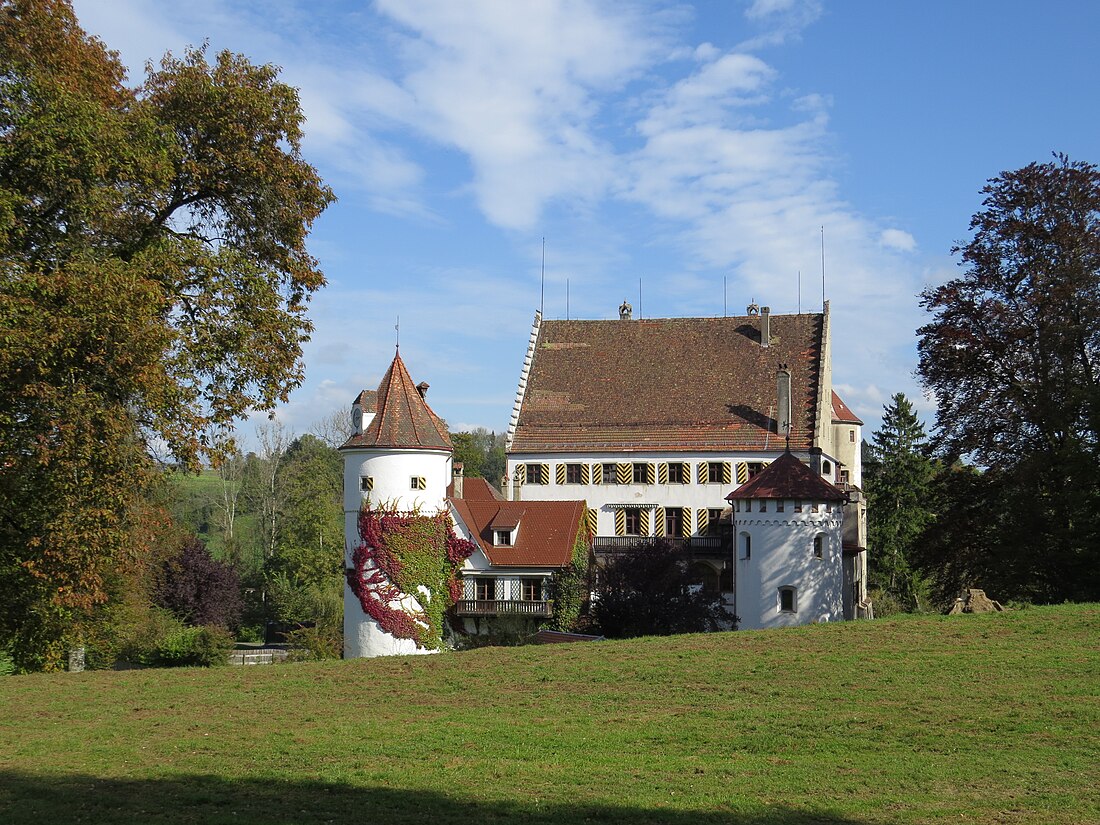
(898, 239)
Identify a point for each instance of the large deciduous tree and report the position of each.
(1012, 357)
(153, 287)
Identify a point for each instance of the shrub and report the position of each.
(191, 646)
(198, 589)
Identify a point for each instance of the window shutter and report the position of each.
(597, 473)
(520, 474)
(545, 474)
(727, 475)
(643, 522)
(650, 474)
(685, 522)
(659, 522)
(591, 520)
(662, 474)
(561, 474)
(620, 522)
(742, 472)
(685, 472)
(624, 474)
(701, 473)
(586, 474)
(702, 516)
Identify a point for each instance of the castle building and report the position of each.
(654, 421)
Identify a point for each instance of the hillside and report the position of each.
(986, 719)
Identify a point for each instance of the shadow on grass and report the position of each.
(26, 798)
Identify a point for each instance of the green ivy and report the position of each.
(570, 586)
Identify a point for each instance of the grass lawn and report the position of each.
(976, 719)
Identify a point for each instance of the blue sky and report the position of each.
(680, 144)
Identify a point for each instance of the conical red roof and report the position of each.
(403, 418)
(787, 477)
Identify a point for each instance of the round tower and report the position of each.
(788, 547)
(399, 457)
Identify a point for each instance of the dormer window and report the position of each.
(502, 538)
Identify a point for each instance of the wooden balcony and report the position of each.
(504, 607)
(704, 546)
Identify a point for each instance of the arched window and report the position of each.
(788, 600)
(819, 546)
(746, 546)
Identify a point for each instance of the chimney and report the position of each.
(815, 459)
(457, 473)
(765, 326)
(625, 311)
(783, 410)
(422, 388)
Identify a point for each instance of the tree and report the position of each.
(897, 473)
(1012, 356)
(153, 287)
(198, 589)
(481, 453)
(647, 592)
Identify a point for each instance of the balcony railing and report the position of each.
(700, 545)
(504, 607)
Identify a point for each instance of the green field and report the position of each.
(977, 719)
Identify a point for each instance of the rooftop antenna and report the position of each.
(397, 329)
(542, 297)
(823, 269)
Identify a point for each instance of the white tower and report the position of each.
(788, 547)
(400, 457)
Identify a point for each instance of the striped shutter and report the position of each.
(764, 464)
(643, 522)
(560, 474)
(597, 473)
(624, 474)
(662, 474)
(586, 474)
(742, 472)
(620, 522)
(702, 516)
(685, 472)
(520, 474)
(591, 519)
(727, 474)
(685, 521)
(545, 473)
(701, 473)
(659, 522)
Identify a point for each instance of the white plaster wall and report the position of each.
(392, 471)
(848, 453)
(598, 496)
(782, 556)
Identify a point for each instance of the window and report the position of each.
(418, 483)
(713, 516)
(366, 484)
(485, 590)
(763, 505)
(676, 474)
(780, 505)
(714, 472)
(502, 538)
(816, 508)
(573, 474)
(819, 546)
(633, 522)
(755, 467)
(746, 546)
(826, 468)
(798, 506)
(845, 477)
(788, 602)
(674, 521)
(641, 474)
(531, 590)
(852, 436)
(609, 473)
(537, 474)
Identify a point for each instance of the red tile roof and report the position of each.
(787, 477)
(842, 413)
(403, 418)
(672, 384)
(547, 530)
(476, 488)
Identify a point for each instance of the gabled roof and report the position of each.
(787, 477)
(672, 383)
(402, 418)
(842, 413)
(367, 400)
(476, 488)
(547, 529)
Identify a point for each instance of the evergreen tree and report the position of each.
(897, 477)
